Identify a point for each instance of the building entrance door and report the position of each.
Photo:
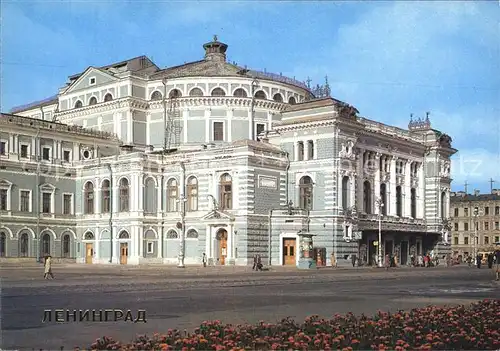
(222, 246)
(388, 248)
(404, 253)
(89, 253)
(289, 252)
(123, 253)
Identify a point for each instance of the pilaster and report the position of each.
(207, 125)
(407, 190)
(359, 181)
(392, 188)
(376, 182)
(295, 151)
(230, 125)
(352, 189)
(185, 116)
(420, 192)
(130, 129)
(306, 150)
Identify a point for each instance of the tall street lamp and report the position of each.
(476, 224)
(380, 204)
(182, 227)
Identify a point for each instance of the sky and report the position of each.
(388, 59)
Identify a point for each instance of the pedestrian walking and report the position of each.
(496, 265)
(387, 262)
(333, 260)
(479, 258)
(254, 262)
(353, 260)
(491, 258)
(204, 260)
(259, 263)
(48, 268)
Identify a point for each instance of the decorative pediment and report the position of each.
(217, 214)
(47, 187)
(82, 82)
(5, 184)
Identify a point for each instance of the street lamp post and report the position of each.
(380, 204)
(476, 214)
(182, 209)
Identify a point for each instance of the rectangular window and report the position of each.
(466, 227)
(3, 147)
(67, 204)
(46, 203)
(66, 155)
(497, 210)
(46, 153)
(106, 204)
(300, 151)
(92, 81)
(310, 150)
(497, 239)
(486, 211)
(3, 199)
(24, 205)
(466, 241)
(486, 240)
(218, 131)
(150, 247)
(497, 225)
(260, 128)
(455, 240)
(456, 212)
(24, 151)
(456, 226)
(486, 226)
(466, 212)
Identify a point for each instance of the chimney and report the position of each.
(476, 192)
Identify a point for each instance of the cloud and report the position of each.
(476, 166)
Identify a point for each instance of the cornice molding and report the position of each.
(109, 106)
(225, 101)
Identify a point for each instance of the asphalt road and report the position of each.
(184, 298)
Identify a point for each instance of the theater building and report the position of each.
(149, 165)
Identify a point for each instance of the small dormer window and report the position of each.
(92, 81)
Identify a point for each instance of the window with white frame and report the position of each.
(259, 128)
(92, 81)
(46, 153)
(3, 147)
(5, 190)
(150, 247)
(67, 204)
(25, 200)
(66, 155)
(46, 202)
(24, 151)
(218, 131)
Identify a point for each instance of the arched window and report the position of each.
(192, 234)
(196, 92)
(172, 234)
(124, 235)
(150, 196)
(345, 192)
(24, 245)
(45, 245)
(192, 194)
(413, 203)
(156, 95)
(367, 197)
(443, 205)
(260, 95)
(175, 93)
(218, 92)
(88, 236)
(277, 97)
(108, 97)
(383, 197)
(226, 192)
(88, 205)
(292, 100)
(399, 201)
(306, 193)
(172, 195)
(105, 197)
(93, 100)
(240, 93)
(78, 104)
(3, 244)
(124, 195)
(66, 251)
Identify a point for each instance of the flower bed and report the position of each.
(474, 327)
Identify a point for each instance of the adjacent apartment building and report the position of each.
(131, 163)
(475, 222)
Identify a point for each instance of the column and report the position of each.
(420, 191)
(185, 116)
(340, 189)
(60, 152)
(159, 241)
(54, 150)
(33, 147)
(207, 125)
(115, 200)
(376, 182)
(130, 127)
(76, 152)
(295, 151)
(10, 148)
(208, 241)
(230, 245)
(359, 184)
(407, 190)
(140, 192)
(97, 195)
(140, 236)
(306, 150)
(230, 125)
(135, 188)
(15, 145)
(352, 189)
(392, 188)
(159, 194)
